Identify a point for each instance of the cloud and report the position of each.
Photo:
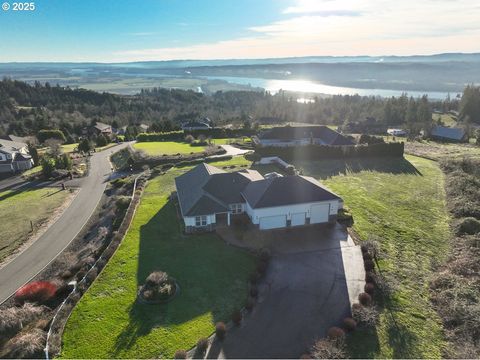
(346, 27)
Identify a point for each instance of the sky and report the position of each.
(148, 30)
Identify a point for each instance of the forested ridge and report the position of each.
(25, 109)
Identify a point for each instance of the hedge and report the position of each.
(319, 152)
(216, 133)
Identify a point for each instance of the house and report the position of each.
(210, 197)
(444, 133)
(14, 156)
(195, 125)
(301, 135)
(101, 128)
(397, 132)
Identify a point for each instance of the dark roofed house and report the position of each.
(444, 133)
(101, 128)
(209, 197)
(14, 156)
(301, 135)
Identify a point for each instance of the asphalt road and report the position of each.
(47, 247)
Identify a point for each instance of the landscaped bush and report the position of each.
(37, 292)
(349, 324)
(366, 316)
(369, 265)
(158, 287)
(370, 277)
(319, 152)
(365, 299)
(180, 354)
(369, 288)
(12, 319)
(469, 225)
(220, 330)
(326, 349)
(335, 333)
(26, 345)
(202, 345)
(262, 267)
(250, 304)
(237, 317)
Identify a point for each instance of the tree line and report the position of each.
(26, 109)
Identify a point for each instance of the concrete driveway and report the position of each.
(303, 294)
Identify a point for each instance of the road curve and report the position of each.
(47, 247)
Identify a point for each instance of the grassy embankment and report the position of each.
(20, 207)
(402, 203)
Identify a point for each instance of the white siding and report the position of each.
(298, 219)
(256, 214)
(190, 220)
(319, 213)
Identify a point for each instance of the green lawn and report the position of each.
(108, 323)
(403, 203)
(167, 147)
(68, 148)
(18, 208)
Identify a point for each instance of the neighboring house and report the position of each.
(301, 135)
(17, 139)
(143, 128)
(101, 128)
(443, 133)
(397, 132)
(195, 125)
(14, 156)
(209, 197)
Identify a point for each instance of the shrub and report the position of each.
(26, 345)
(180, 354)
(369, 265)
(369, 277)
(189, 139)
(335, 333)
(254, 291)
(262, 267)
(250, 304)
(367, 256)
(365, 299)
(237, 317)
(349, 324)
(10, 322)
(156, 278)
(254, 277)
(369, 288)
(220, 330)
(264, 255)
(326, 349)
(469, 225)
(158, 286)
(37, 292)
(366, 316)
(202, 345)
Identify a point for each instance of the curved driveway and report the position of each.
(48, 246)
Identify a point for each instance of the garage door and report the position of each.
(319, 213)
(298, 219)
(273, 222)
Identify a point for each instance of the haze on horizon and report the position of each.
(127, 30)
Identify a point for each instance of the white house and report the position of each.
(397, 132)
(14, 156)
(209, 197)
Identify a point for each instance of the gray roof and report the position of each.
(17, 139)
(102, 127)
(286, 190)
(11, 146)
(206, 189)
(448, 133)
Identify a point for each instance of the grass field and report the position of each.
(437, 151)
(403, 203)
(109, 323)
(18, 208)
(167, 147)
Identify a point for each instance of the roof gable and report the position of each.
(448, 133)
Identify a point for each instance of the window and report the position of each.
(201, 220)
(236, 208)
